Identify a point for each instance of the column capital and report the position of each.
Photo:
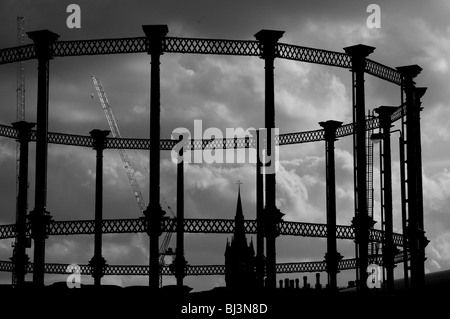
(420, 91)
(362, 223)
(179, 266)
(268, 36)
(99, 137)
(98, 265)
(385, 110)
(409, 71)
(154, 215)
(156, 34)
(24, 129)
(272, 217)
(359, 51)
(385, 113)
(155, 30)
(330, 128)
(268, 39)
(39, 221)
(43, 39)
(332, 260)
(43, 36)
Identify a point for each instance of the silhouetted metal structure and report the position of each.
(180, 264)
(373, 248)
(415, 230)
(20, 257)
(20, 116)
(40, 217)
(155, 43)
(332, 257)
(97, 262)
(154, 213)
(128, 164)
(268, 40)
(226, 143)
(362, 221)
(385, 113)
(196, 226)
(260, 258)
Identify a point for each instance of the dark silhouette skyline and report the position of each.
(300, 185)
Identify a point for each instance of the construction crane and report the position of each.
(20, 72)
(20, 100)
(130, 168)
(127, 164)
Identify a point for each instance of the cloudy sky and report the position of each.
(225, 92)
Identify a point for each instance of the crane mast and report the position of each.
(130, 167)
(20, 116)
(127, 163)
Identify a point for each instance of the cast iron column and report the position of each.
(260, 273)
(401, 143)
(39, 217)
(268, 43)
(389, 248)
(154, 213)
(361, 222)
(423, 241)
(20, 257)
(332, 257)
(415, 233)
(97, 262)
(180, 261)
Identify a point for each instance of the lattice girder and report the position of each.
(198, 46)
(230, 143)
(206, 226)
(197, 270)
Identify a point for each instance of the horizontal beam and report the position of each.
(17, 54)
(311, 55)
(383, 72)
(198, 46)
(226, 143)
(204, 226)
(197, 270)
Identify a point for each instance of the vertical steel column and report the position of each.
(362, 222)
(332, 257)
(39, 217)
(260, 273)
(389, 248)
(401, 143)
(20, 258)
(415, 233)
(423, 241)
(97, 262)
(268, 42)
(418, 94)
(403, 182)
(154, 213)
(180, 261)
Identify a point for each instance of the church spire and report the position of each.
(239, 212)
(239, 228)
(239, 256)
